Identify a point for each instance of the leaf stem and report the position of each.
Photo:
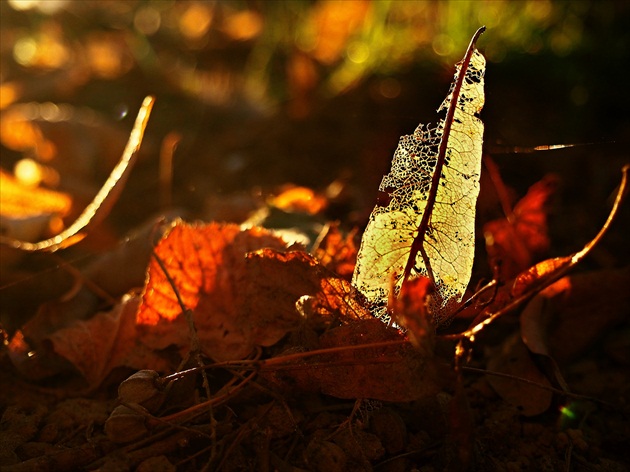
(418, 243)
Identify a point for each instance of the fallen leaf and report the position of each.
(208, 266)
(107, 341)
(410, 310)
(424, 223)
(395, 372)
(278, 280)
(513, 358)
(569, 315)
(515, 242)
(336, 252)
(77, 293)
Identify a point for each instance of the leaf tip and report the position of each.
(478, 33)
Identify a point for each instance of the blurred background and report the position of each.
(255, 95)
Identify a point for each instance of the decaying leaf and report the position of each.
(531, 281)
(410, 310)
(514, 359)
(394, 372)
(93, 347)
(281, 284)
(336, 252)
(242, 287)
(106, 341)
(513, 243)
(565, 318)
(423, 223)
(208, 265)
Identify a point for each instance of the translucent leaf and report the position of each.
(423, 223)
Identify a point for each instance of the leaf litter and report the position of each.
(284, 337)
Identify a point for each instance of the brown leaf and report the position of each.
(107, 341)
(515, 242)
(277, 280)
(565, 318)
(514, 359)
(395, 373)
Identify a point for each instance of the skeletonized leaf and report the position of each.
(423, 224)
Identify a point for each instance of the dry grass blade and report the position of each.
(104, 199)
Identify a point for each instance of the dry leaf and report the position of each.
(424, 224)
(410, 311)
(515, 242)
(395, 372)
(208, 265)
(565, 318)
(336, 252)
(282, 284)
(514, 359)
(106, 341)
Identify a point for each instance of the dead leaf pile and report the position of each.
(231, 349)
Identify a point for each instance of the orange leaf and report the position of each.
(518, 240)
(208, 265)
(410, 311)
(337, 253)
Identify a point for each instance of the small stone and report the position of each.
(126, 425)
